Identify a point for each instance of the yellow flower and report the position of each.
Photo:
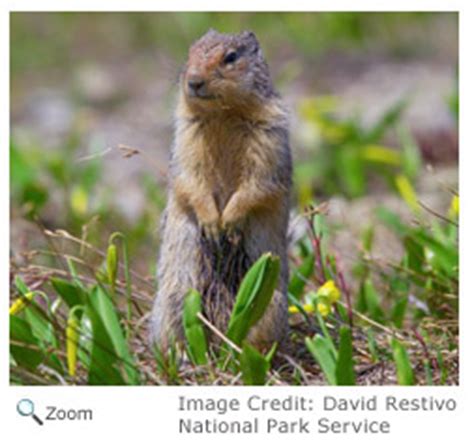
(308, 308)
(21, 303)
(324, 308)
(454, 208)
(329, 291)
(322, 300)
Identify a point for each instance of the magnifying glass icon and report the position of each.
(25, 407)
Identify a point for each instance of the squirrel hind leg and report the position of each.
(164, 326)
(178, 272)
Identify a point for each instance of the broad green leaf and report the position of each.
(405, 374)
(103, 306)
(70, 293)
(41, 327)
(327, 336)
(265, 290)
(320, 348)
(24, 347)
(253, 297)
(103, 369)
(345, 365)
(254, 366)
(193, 328)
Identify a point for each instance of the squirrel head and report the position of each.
(225, 71)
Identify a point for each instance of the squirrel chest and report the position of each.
(220, 154)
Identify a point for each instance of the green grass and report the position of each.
(85, 324)
(344, 156)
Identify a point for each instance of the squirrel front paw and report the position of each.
(210, 225)
(231, 220)
(208, 218)
(211, 230)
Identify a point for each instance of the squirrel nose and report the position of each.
(196, 85)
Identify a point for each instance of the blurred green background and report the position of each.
(372, 95)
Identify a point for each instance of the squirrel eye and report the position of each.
(231, 57)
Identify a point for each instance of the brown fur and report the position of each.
(230, 180)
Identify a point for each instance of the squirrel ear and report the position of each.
(249, 35)
(211, 31)
(251, 39)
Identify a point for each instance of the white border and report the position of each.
(149, 413)
(233, 5)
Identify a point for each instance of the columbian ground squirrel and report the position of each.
(229, 187)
